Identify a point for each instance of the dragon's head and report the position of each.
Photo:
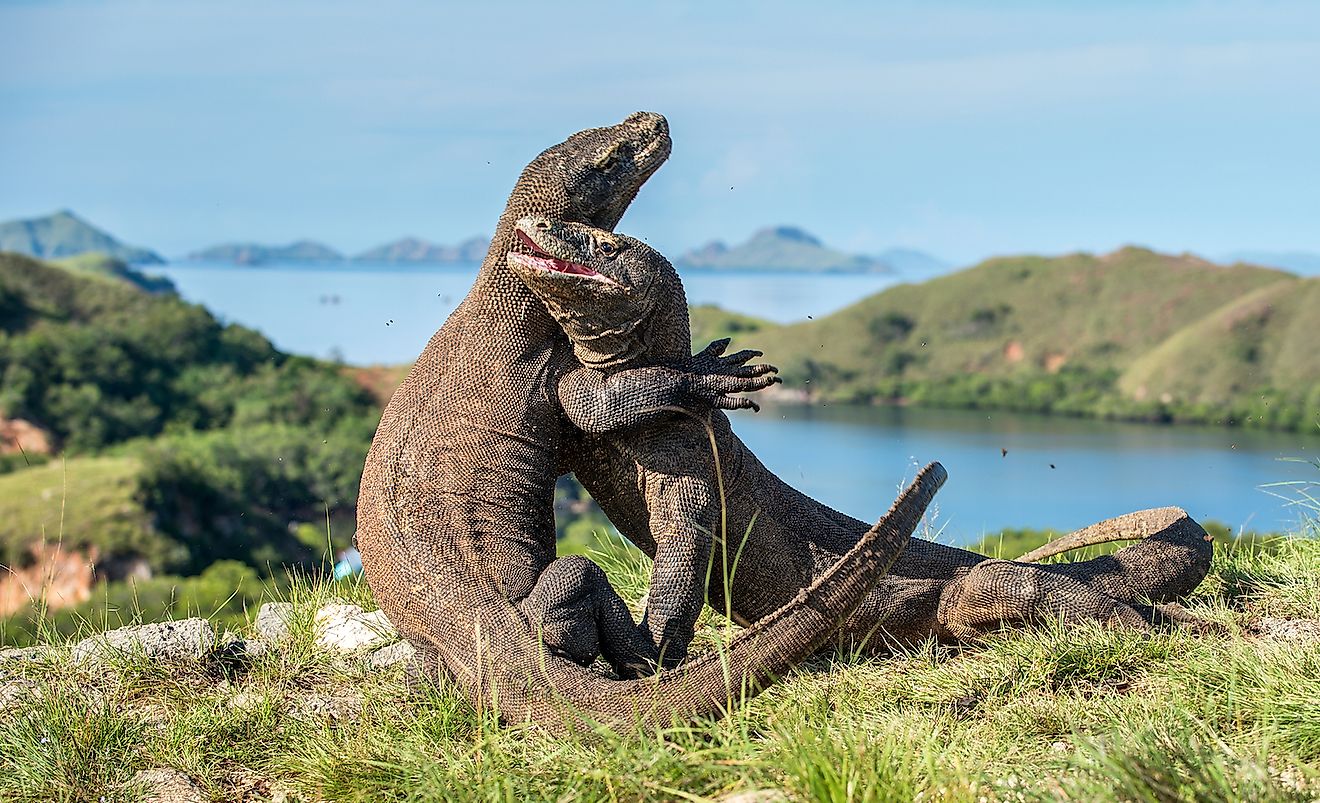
(594, 174)
(602, 288)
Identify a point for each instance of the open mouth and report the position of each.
(544, 261)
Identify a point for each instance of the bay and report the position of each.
(1011, 470)
(1006, 470)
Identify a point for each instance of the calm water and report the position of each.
(1060, 473)
(385, 314)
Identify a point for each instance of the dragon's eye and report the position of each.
(607, 161)
(607, 248)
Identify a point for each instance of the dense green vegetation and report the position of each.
(1133, 334)
(186, 441)
(97, 363)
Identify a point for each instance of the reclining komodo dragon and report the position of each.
(455, 511)
(773, 539)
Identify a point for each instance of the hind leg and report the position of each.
(683, 519)
(579, 616)
(999, 593)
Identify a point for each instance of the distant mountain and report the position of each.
(1295, 261)
(789, 248)
(64, 234)
(416, 250)
(257, 254)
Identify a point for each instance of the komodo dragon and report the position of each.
(455, 512)
(639, 478)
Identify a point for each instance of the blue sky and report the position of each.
(958, 128)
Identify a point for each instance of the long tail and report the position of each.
(557, 693)
(1171, 558)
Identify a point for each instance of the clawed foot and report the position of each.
(716, 376)
(1171, 614)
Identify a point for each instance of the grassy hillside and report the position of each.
(709, 322)
(97, 362)
(1265, 344)
(185, 441)
(96, 264)
(81, 503)
(1133, 333)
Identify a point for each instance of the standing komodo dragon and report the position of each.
(778, 540)
(455, 512)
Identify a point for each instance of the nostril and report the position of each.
(543, 225)
(649, 121)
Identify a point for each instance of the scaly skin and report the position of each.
(455, 516)
(782, 539)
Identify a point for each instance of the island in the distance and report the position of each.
(408, 250)
(418, 251)
(788, 248)
(257, 254)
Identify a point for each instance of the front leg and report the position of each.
(600, 403)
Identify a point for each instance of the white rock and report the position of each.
(273, 620)
(247, 700)
(233, 645)
(335, 707)
(756, 796)
(348, 628)
(17, 693)
(165, 785)
(24, 654)
(186, 639)
(1279, 629)
(400, 652)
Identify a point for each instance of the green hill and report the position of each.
(1264, 345)
(64, 234)
(98, 265)
(224, 440)
(710, 322)
(88, 503)
(1133, 334)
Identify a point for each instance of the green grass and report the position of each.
(1079, 714)
(79, 503)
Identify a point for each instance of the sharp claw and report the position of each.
(717, 347)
